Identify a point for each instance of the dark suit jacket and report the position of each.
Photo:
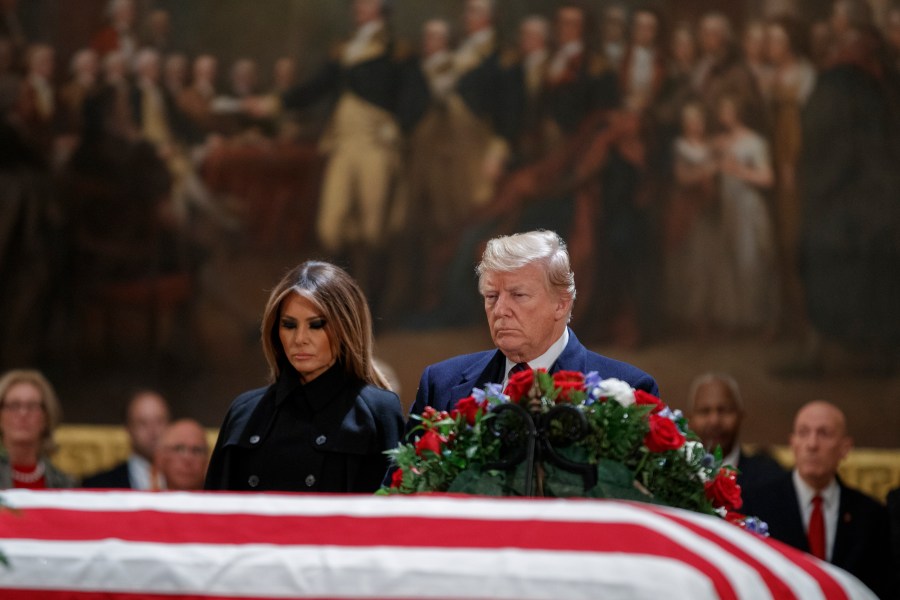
(585, 87)
(893, 506)
(493, 93)
(757, 470)
(376, 80)
(861, 543)
(445, 383)
(115, 478)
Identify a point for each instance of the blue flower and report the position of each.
(494, 389)
(673, 415)
(708, 460)
(757, 526)
(478, 394)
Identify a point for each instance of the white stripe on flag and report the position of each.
(265, 571)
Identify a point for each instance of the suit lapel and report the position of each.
(794, 529)
(843, 537)
(488, 370)
(572, 357)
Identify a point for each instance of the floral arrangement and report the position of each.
(593, 437)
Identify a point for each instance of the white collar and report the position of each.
(533, 59)
(139, 470)
(545, 360)
(831, 495)
(570, 49)
(482, 36)
(367, 31)
(434, 60)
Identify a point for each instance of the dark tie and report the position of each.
(816, 531)
(517, 368)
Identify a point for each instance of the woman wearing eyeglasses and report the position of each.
(29, 412)
(324, 422)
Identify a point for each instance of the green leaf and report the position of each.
(474, 481)
(614, 473)
(560, 483)
(515, 481)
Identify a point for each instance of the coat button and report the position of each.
(254, 439)
(253, 481)
(321, 440)
(310, 480)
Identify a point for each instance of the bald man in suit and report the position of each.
(852, 532)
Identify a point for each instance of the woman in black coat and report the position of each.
(325, 421)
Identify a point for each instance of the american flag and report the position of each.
(88, 545)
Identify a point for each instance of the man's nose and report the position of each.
(501, 306)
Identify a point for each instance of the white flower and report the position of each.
(694, 451)
(614, 389)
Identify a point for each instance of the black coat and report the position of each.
(375, 80)
(494, 93)
(326, 436)
(115, 478)
(893, 506)
(861, 543)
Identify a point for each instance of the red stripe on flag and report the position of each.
(777, 587)
(829, 586)
(404, 531)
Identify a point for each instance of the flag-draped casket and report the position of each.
(137, 545)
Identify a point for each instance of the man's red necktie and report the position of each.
(518, 367)
(816, 531)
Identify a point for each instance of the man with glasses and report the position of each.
(181, 456)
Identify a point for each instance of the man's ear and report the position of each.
(563, 306)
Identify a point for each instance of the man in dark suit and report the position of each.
(811, 509)
(528, 288)
(716, 413)
(146, 418)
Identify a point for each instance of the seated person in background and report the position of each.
(29, 412)
(529, 289)
(810, 508)
(146, 417)
(716, 413)
(181, 457)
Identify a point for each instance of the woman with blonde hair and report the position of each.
(324, 422)
(29, 412)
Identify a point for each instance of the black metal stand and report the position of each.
(543, 433)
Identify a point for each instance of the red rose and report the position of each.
(397, 478)
(567, 382)
(735, 517)
(642, 397)
(430, 415)
(724, 491)
(468, 407)
(519, 385)
(430, 440)
(663, 435)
